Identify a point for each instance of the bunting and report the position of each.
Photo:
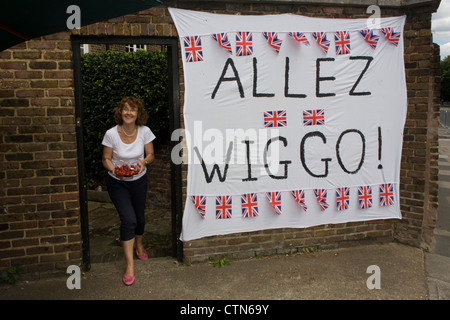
(275, 201)
(365, 197)
(200, 204)
(391, 36)
(193, 48)
(300, 37)
(249, 205)
(244, 44)
(342, 198)
(244, 41)
(342, 42)
(222, 40)
(387, 194)
(370, 37)
(299, 196)
(321, 196)
(273, 40)
(322, 41)
(223, 207)
(249, 201)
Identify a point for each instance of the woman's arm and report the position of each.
(149, 153)
(106, 159)
(149, 156)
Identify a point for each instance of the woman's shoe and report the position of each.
(128, 280)
(142, 256)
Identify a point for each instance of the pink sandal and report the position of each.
(142, 256)
(128, 280)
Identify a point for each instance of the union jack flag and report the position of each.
(223, 207)
(193, 48)
(300, 37)
(244, 44)
(275, 200)
(299, 196)
(200, 205)
(342, 198)
(365, 197)
(391, 36)
(386, 194)
(342, 42)
(275, 119)
(370, 37)
(222, 40)
(313, 117)
(249, 205)
(322, 41)
(273, 40)
(321, 195)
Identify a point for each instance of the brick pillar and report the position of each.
(419, 167)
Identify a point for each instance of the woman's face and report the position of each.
(129, 114)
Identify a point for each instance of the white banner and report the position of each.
(290, 121)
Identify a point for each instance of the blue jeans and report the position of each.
(129, 199)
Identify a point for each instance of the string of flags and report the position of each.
(244, 41)
(249, 201)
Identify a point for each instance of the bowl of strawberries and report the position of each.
(122, 169)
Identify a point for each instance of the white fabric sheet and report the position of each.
(230, 99)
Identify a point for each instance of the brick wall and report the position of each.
(39, 202)
(39, 217)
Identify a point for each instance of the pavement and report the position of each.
(375, 271)
(437, 261)
(332, 274)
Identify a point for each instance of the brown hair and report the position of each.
(135, 103)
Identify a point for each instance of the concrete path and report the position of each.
(438, 259)
(333, 274)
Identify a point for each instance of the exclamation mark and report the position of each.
(380, 142)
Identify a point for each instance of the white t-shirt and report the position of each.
(128, 153)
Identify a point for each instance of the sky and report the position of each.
(440, 27)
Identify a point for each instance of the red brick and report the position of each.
(28, 74)
(42, 65)
(36, 44)
(13, 65)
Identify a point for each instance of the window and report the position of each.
(84, 48)
(135, 47)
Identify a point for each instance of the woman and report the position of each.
(129, 142)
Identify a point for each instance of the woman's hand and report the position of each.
(141, 165)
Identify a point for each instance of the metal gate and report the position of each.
(176, 189)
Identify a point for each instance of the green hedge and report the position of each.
(106, 78)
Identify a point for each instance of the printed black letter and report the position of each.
(223, 78)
